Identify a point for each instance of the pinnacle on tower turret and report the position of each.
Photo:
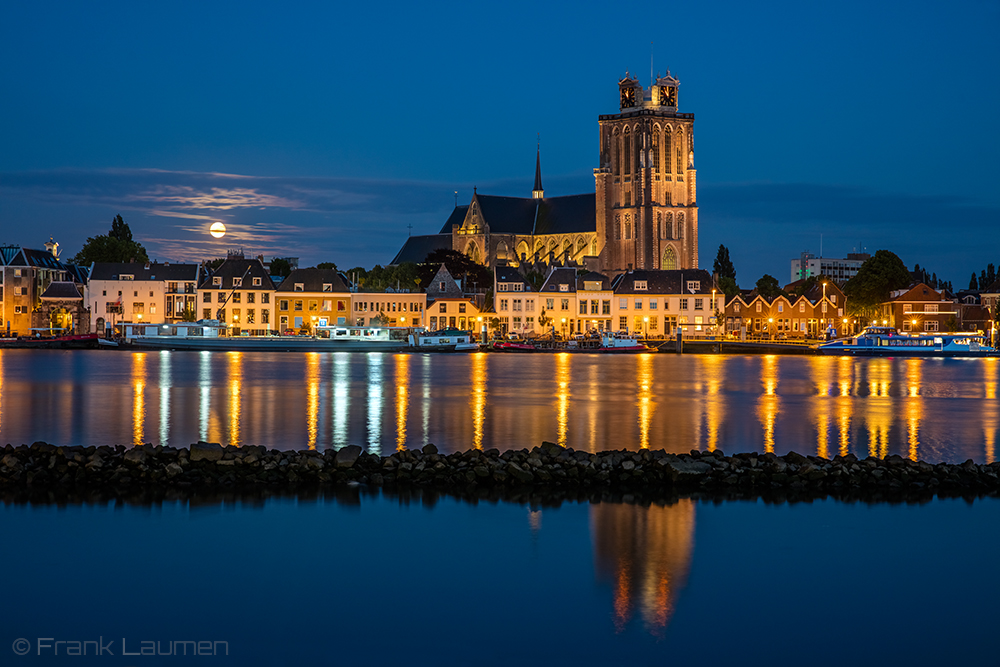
(538, 192)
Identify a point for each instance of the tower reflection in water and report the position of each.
(645, 553)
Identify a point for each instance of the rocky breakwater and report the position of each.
(548, 467)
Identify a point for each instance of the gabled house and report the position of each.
(448, 307)
(919, 308)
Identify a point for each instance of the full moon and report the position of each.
(218, 230)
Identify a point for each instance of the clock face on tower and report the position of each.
(668, 96)
(628, 98)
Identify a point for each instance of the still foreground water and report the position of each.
(932, 409)
(374, 580)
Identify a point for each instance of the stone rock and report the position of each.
(683, 471)
(429, 448)
(315, 463)
(173, 470)
(346, 456)
(205, 451)
(521, 475)
(629, 465)
(135, 455)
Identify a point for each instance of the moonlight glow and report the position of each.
(218, 230)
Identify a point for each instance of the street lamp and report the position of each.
(645, 327)
(715, 311)
(770, 321)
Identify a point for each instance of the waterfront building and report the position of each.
(990, 298)
(240, 294)
(643, 213)
(558, 302)
(393, 307)
(657, 303)
(138, 292)
(449, 307)
(806, 316)
(310, 297)
(516, 302)
(838, 270)
(25, 275)
(920, 308)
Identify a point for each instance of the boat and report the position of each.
(443, 340)
(40, 342)
(212, 335)
(607, 343)
(876, 341)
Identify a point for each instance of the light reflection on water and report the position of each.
(919, 408)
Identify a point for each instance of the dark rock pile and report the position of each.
(548, 468)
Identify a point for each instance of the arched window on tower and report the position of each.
(669, 262)
(628, 226)
(659, 225)
(638, 151)
(670, 226)
(679, 140)
(616, 159)
(656, 149)
(618, 228)
(680, 225)
(627, 151)
(666, 150)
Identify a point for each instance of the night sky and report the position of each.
(323, 131)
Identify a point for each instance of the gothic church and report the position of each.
(643, 213)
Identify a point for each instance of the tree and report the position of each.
(535, 279)
(974, 283)
(728, 287)
(881, 273)
(115, 246)
(280, 267)
(768, 287)
(723, 266)
(459, 265)
(326, 265)
(544, 320)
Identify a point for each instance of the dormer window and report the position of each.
(693, 286)
(639, 286)
(300, 287)
(237, 282)
(518, 287)
(217, 281)
(327, 287)
(502, 287)
(126, 276)
(563, 287)
(256, 282)
(442, 286)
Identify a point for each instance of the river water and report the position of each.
(932, 409)
(363, 576)
(378, 580)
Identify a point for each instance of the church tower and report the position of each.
(647, 212)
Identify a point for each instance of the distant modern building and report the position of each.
(643, 213)
(839, 270)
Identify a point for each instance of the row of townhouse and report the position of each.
(810, 315)
(646, 302)
(241, 293)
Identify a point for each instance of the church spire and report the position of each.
(538, 192)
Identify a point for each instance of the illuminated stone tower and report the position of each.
(647, 212)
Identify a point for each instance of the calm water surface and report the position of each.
(934, 409)
(373, 580)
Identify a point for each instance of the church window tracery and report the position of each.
(627, 152)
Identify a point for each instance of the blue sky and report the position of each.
(324, 130)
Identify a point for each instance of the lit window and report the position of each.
(327, 287)
(237, 282)
(639, 285)
(256, 283)
(299, 287)
(217, 280)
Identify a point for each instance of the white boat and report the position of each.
(444, 340)
(878, 341)
(212, 335)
